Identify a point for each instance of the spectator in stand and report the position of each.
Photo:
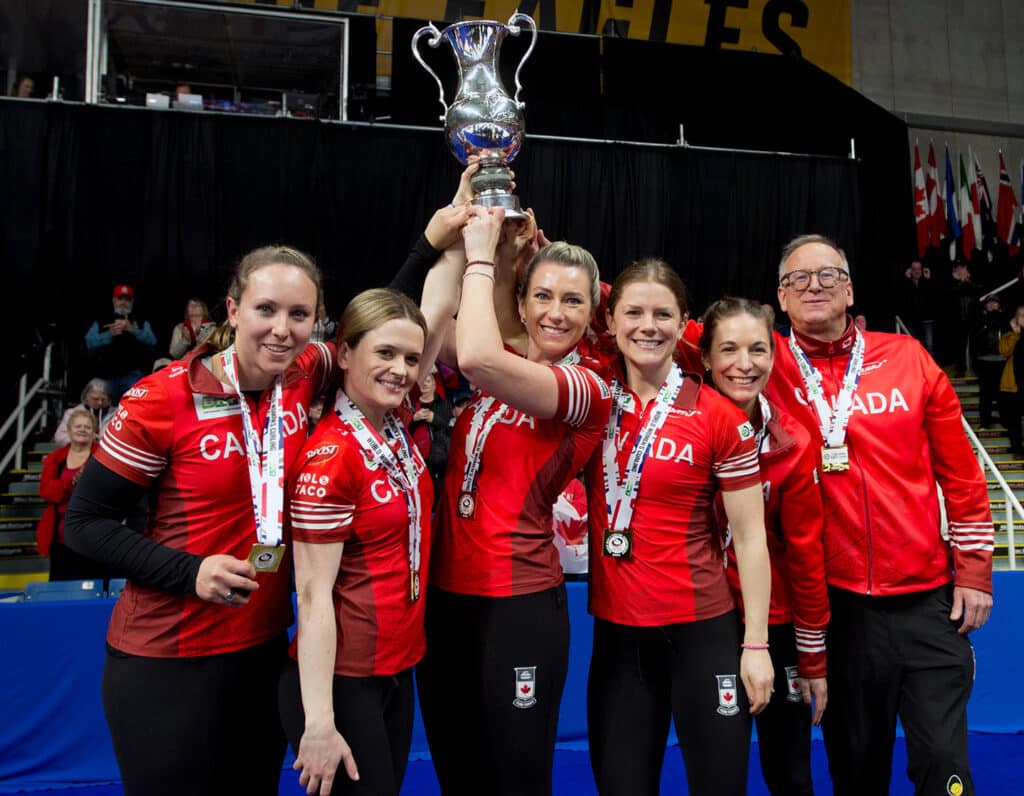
(323, 329)
(24, 87)
(961, 301)
(1011, 381)
(986, 361)
(61, 471)
(97, 399)
(432, 427)
(121, 350)
(917, 303)
(192, 331)
(903, 599)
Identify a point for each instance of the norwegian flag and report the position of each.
(1017, 233)
(1006, 212)
(936, 210)
(920, 205)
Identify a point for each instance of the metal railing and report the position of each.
(1012, 505)
(23, 427)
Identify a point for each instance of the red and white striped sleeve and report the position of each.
(138, 439)
(583, 397)
(324, 491)
(733, 445)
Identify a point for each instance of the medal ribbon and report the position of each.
(400, 465)
(264, 454)
(833, 424)
(481, 426)
(620, 496)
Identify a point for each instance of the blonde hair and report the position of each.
(83, 413)
(375, 307)
(568, 254)
(224, 335)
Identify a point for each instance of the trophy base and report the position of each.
(501, 199)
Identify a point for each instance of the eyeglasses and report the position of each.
(801, 280)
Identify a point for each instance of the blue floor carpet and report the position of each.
(995, 759)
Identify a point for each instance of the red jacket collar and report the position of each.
(817, 348)
(201, 379)
(779, 440)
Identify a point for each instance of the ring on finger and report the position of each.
(230, 596)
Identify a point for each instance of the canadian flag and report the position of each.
(920, 205)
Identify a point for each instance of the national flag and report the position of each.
(1017, 233)
(1006, 212)
(936, 212)
(986, 214)
(949, 190)
(970, 213)
(920, 205)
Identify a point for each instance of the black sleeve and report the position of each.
(102, 523)
(413, 273)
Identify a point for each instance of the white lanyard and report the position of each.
(400, 465)
(264, 454)
(761, 435)
(620, 496)
(833, 424)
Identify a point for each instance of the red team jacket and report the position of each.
(795, 529)
(179, 430)
(882, 515)
(335, 497)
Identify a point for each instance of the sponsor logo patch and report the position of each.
(136, 392)
(211, 407)
(321, 453)
(746, 430)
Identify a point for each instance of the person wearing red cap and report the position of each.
(121, 350)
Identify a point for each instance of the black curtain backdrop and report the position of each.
(169, 201)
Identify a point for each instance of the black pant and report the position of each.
(784, 727)
(890, 656)
(205, 725)
(640, 678)
(989, 372)
(374, 714)
(490, 688)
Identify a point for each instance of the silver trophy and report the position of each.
(482, 119)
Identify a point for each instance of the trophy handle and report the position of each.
(514, 30)
(434, 42)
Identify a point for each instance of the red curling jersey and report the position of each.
(795, 525)
(882, 515)
(675, 573)
(180, 431)
(337, 497)
(506, 548)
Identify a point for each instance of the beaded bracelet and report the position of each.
(480, 262)
(755, 646)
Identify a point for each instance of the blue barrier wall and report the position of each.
(54, 734)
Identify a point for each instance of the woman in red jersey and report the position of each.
(197, 639)
(668, 641)
(360, 509)
(738, 347)
(497, 619)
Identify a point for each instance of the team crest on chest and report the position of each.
(526, 687)
(727, 696)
